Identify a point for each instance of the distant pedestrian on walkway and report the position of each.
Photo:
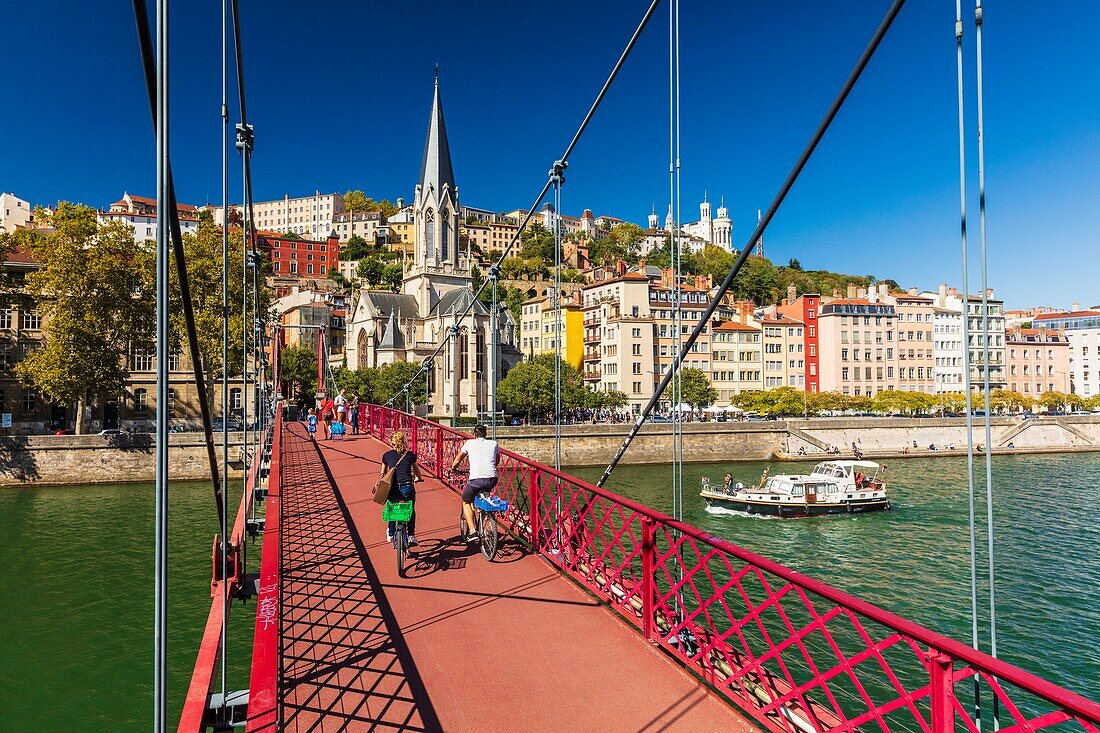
(311, 424)
(405, 473)
(328, 409)
(353, 412)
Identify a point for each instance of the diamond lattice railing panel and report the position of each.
(797, 655)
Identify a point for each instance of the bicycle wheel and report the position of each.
(487, 532)
(461, 524)
(401, 544)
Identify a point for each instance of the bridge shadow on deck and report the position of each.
(344, 663)
(459, 643)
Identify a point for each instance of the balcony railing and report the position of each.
(796, 654)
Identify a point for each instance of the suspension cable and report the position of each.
(164, 204)
(149, 65)
(704, 320)
(985, 352)
(677, 298)
(224, 559)
(494, 351)
(564, 160)
(555, 303)
(974, 638)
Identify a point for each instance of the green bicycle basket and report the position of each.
(397, 511)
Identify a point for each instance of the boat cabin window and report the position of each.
(796, 490)
(832, 488)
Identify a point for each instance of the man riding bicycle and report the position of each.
(483, 455)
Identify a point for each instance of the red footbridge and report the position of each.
(598, 614)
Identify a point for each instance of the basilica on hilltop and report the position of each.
(386, 327)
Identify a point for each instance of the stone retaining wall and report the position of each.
(584, 445)
(85, 459)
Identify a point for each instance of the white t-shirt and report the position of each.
(482, 454)
(341, 403)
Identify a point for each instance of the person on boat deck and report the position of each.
(860, 479)
(802, 450)
(406, 472)
(728, 483)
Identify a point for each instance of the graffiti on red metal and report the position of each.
(267, 610)
(797, 654)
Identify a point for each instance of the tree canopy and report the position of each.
(95, 293)
(695, 388)
(356, 201)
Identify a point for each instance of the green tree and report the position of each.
(695, 388)
(388, 381)
(96, 300)
(203, 253)
(298, 371)
(392, 275)
(628, 238)
(614, 399)
(357, 202)
(1004, 400)
(714, 261)
(528, 388)
(574, 393)
(355, 249)
(370, 271)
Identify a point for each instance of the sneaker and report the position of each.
(389, 536)
(471, 538)
(413, 541)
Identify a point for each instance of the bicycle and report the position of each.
(399, 512)
(486, 507)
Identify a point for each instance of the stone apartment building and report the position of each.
(15, 213)
(783, 352)
(857, 337)
(307, 216)
(916, 342)
(619, 342)
(736, 360)
(1037, 360)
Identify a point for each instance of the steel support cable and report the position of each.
(224, 560)
(678, 388)
(164, 204)
(556, 303)
(985, 353)
(974, 638)
(562, 162)
(149, 64)
(704, 319)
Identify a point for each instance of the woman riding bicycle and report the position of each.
(406, 472)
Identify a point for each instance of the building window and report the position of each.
(5, 318)
(141, 399)
(141, 362)
(235, 399)
(174, 362)
(31, 320)
(30, 400)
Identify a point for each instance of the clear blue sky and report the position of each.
(340, 92)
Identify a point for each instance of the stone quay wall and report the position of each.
(88, 459)
(587, 445)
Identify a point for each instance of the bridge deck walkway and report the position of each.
(459, 644)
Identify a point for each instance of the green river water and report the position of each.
(76, 585)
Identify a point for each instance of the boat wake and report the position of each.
(734, 513)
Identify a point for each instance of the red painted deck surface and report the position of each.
(460, 644)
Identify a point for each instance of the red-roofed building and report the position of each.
(1082, 331)
(140, 214)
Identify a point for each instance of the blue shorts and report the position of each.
(477, 485)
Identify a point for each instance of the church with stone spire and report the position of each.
(387, 327)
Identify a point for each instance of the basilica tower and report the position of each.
(723, 228)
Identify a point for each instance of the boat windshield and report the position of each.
(778, 486)
(831, 469)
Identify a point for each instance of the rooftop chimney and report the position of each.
(852, 290)
(989, 293)
(913, 291)
(953, 292)
(943, 293)
(792, 293)
(861, 292)
(1074, 307)
(836, 292)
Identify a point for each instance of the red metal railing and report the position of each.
(793, 652)
(206, 663)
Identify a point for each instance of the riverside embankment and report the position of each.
(584, 445)
(85, 459)
(89, 459)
